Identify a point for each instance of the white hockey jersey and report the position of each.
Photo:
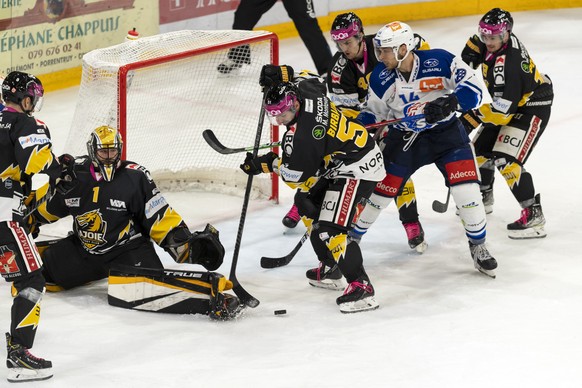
(435, 73)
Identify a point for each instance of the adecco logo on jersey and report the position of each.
(389, 185)
(461, 171)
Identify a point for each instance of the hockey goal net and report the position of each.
(162, 91)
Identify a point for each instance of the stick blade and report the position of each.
(213, 142)
(439, 207)
(275, 262)
(244, 296)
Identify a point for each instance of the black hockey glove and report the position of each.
(470, 120)
(259, 164)
(440, 108)
(31, 223)
(472, 52)
(274, 75)
(206, 248)
(68, 179)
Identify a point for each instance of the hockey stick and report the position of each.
(243, 294)
(216, 145)
(213, 142)
(275, 262)
(440, 207)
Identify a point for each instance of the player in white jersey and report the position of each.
(431, 84)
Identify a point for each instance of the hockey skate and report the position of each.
(484, 262)
(358, 296)
(531, 223)
(23, 366)
(326, 277)
(292, 217)
(236, 57)
(415, 235)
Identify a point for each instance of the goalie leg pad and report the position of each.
(169, 291)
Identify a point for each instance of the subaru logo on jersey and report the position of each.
(460, 74)
(431, 62)
(384, 73)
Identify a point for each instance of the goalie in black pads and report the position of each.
(335, 165)
(117, 210)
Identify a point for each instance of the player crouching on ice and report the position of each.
(117, 210)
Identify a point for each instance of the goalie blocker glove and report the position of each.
(273, 75)
(202, 248)
(259, 164)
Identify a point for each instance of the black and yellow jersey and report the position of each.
(25, 150)
(513, 81)
(326, 144)
(109, 214)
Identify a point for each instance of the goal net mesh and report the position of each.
(163, 91)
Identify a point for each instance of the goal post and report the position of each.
(163, 91)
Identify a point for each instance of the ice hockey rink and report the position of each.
(440, 322)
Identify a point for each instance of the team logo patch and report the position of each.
(91, 229)
(460, 74)
(318, 132)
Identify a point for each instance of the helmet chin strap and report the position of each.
(400, 60)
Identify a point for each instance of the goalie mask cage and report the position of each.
(162, 91)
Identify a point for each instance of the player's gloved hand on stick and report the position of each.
(68, 179)
(259, 164)
(471, 54)
(274, 75)
(470, 120)
(440, 108)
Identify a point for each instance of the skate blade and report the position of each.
(358, 306)
(526, 234)
(328, 284)
(487, 272)
(420, 248)
(19, 375)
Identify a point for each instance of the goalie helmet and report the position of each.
(495, 22)
(104, 147)
(17, 86)
(346, 25)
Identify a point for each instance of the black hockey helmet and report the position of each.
(17, 86)
(346, 25)
(281, 98)
(104, 148)
(496, 22)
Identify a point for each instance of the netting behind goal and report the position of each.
(163, 91)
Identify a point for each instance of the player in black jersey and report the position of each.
(513, 123)
(335, 164)
(25, 150)
(117, 210)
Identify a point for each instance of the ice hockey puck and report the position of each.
(280, 312)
